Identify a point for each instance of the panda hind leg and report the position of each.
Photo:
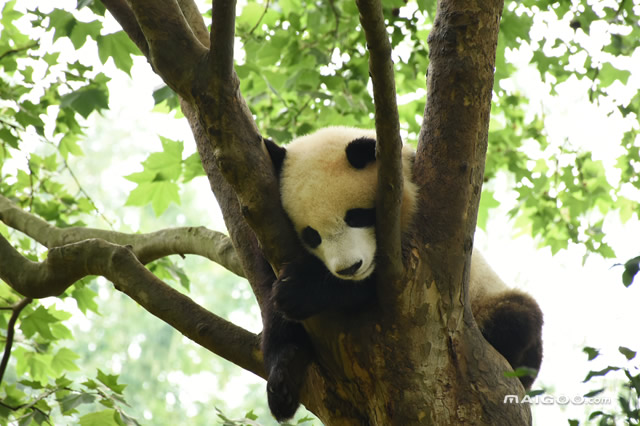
(512, 322)
(287, 354)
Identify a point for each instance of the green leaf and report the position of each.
(7, 136)
(86, 100)
(70, 402)
(250, 16)
(192, 167)
(82, 30)
(631, 268)
(111, 381)
(100, 418)
(521, 372)
(141, 177)
(62, 22)
(64, 361)
(119, 47)
(592, 353)
(162, 94)
(602, 372)
(628, 353)
(85, 299)
(593, 393)
(159, 194)
(608, 74)
(39, 321)
(487, 202)
(38, 366)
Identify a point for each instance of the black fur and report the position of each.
(311, 237)
(287, 353)
(361, 152)
(306, 288)
(277, 154)
(512, 323)
(360, 218)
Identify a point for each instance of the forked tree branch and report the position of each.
(389, 143)
(195, 21)
(256, 269)
(147, 247)
(238, 150)
(66, 265)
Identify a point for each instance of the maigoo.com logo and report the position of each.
(553, 400)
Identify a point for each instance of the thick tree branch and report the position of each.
(237, 148)
(147, 247)
(66, 265)
(122, 13)
(174, 50)
(249, 252)
(389, 143)
(223, 24)
(238, 159)
(452, 145)
(195, 21)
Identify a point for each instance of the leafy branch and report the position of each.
(18, 50)
(67, 264)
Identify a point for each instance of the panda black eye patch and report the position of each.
(311, 237)
(360, 218)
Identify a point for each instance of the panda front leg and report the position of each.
(287, 353)
(306, 288)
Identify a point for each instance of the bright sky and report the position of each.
(583, 304)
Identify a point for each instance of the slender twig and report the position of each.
(17, 308)
(389, 143)
(18, 50)
(264, 12)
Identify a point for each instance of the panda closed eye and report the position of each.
(361, 218)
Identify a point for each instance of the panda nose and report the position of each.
(351, 269)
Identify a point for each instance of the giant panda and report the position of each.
(328, 183)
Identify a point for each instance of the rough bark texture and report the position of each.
(418, 358)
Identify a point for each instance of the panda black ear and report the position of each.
(277, 154)
(361, 152)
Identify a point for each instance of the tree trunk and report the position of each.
(417, 357)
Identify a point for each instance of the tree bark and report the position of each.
(416, 358)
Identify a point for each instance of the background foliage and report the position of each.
(302, 65)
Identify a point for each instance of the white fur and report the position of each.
(318, 186)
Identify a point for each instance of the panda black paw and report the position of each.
(284, 384)
(282, 395)
(292, 299)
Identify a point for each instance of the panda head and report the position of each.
(328, 183)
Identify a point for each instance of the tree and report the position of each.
(353, 380)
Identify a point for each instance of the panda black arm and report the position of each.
(306, 288)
